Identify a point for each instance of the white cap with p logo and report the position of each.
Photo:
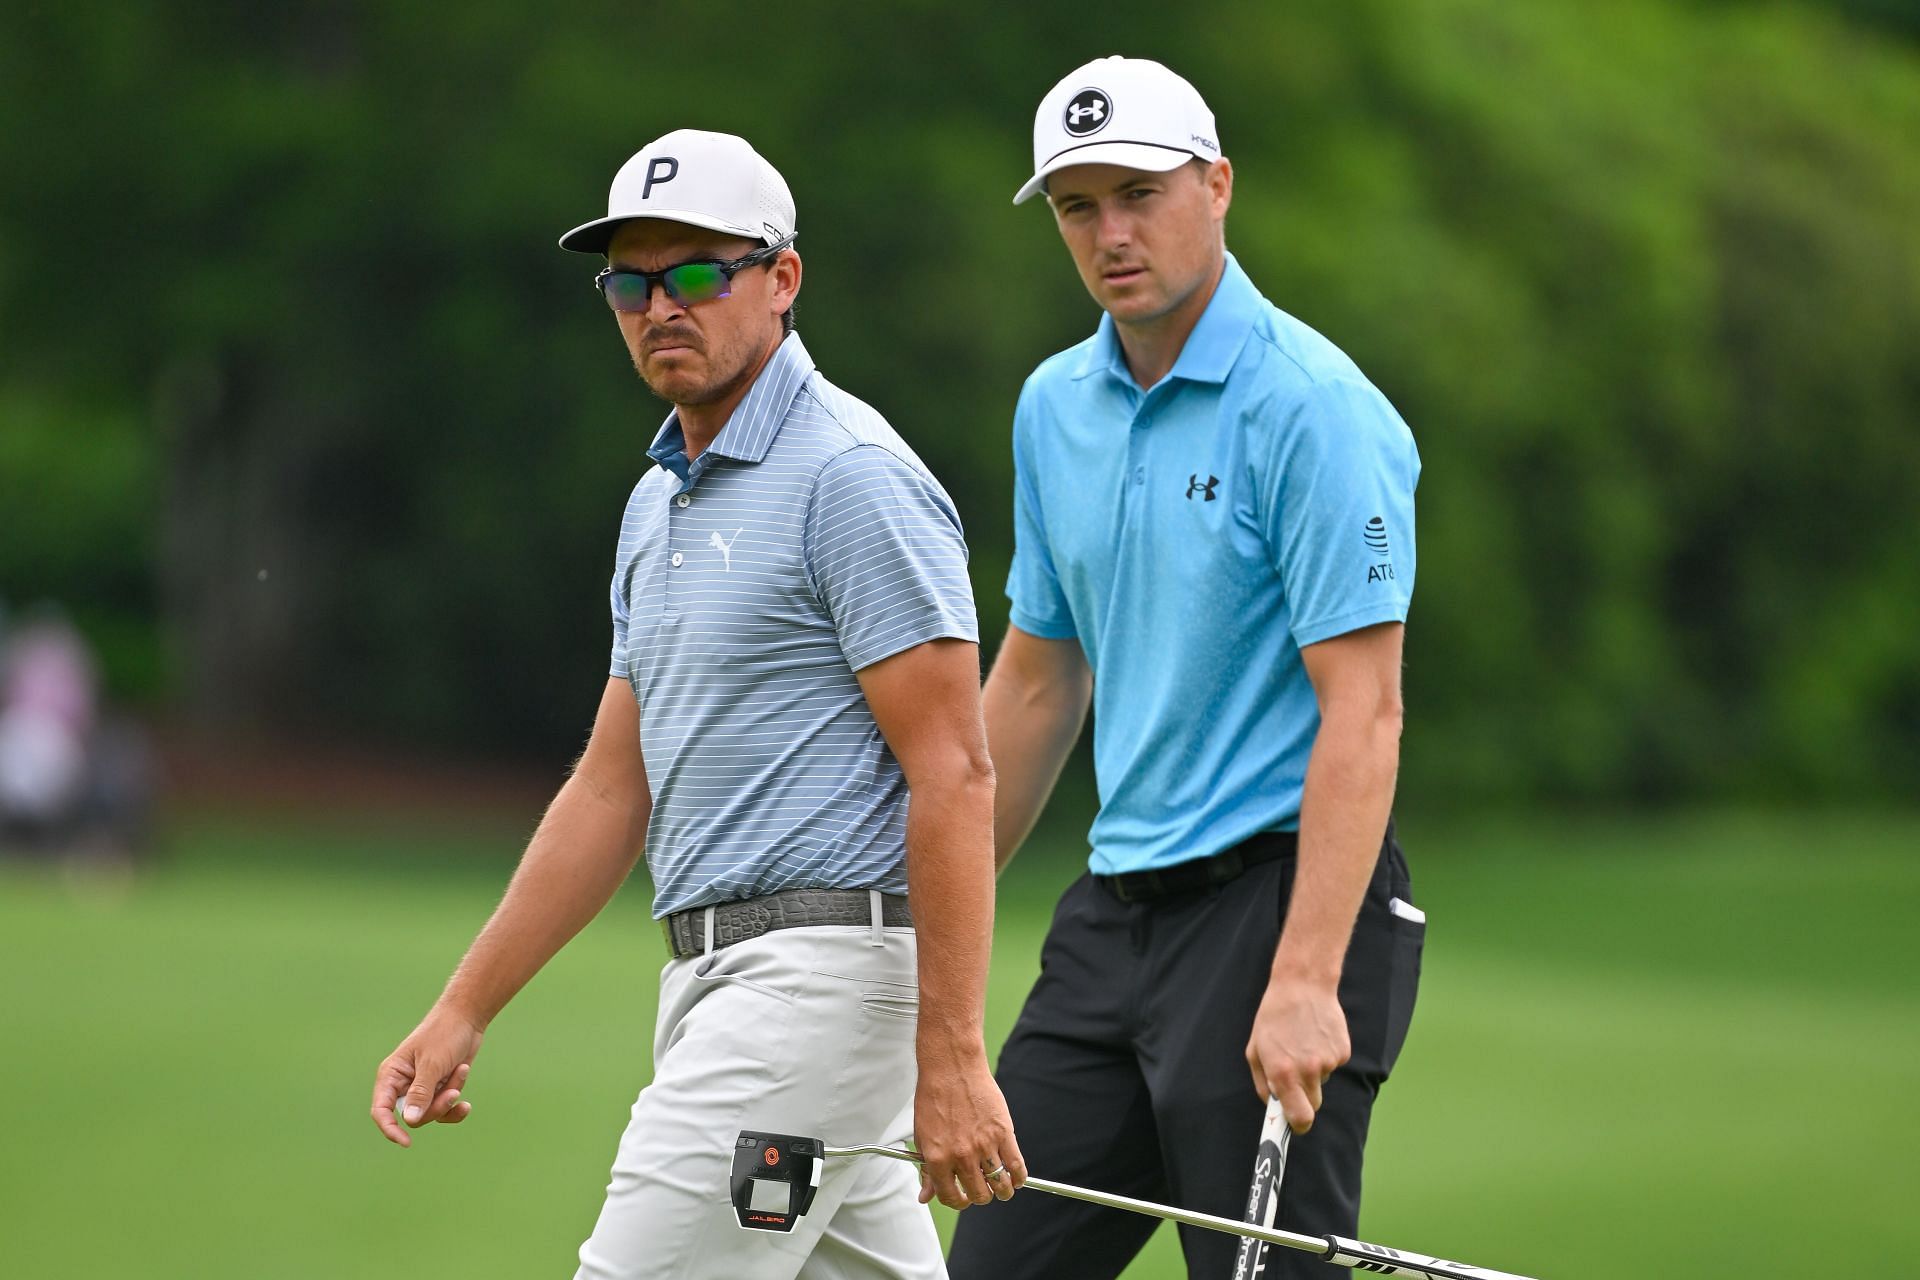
(1132, 112)
(711, 180)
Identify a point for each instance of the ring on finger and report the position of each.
(998, 1171)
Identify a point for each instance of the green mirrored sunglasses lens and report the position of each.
(625, 292)
(697, 281)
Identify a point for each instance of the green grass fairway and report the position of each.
(1683, 1047)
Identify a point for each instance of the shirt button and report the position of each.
(677, 558)
(1139, 475)
(683, 500)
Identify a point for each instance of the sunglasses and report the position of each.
(702, 280)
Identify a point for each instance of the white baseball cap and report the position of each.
(1126, 111)
(711, 180)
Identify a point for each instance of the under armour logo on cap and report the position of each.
(1088, 112)
(1165, 125)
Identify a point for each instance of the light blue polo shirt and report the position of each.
(805, 543)
(1193, 538)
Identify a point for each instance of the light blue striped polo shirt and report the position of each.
(808, 541)
(1194, 537)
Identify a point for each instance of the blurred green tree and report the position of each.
(305, 414)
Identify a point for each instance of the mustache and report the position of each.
(655, 338)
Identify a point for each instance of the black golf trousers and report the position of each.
(1127, 1072)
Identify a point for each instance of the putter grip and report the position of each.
(1263, 1196)
(1378, 1260)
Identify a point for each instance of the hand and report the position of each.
(1299, 1037)
(428, 1069)
(963, 1132)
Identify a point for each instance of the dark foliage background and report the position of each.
(310, 424)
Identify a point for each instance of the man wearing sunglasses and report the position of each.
(792, 733)
(1214, 547)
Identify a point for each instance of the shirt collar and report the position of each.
(755, 421)
(1210, 349)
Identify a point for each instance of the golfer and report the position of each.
(792, 731)
(1213, 517)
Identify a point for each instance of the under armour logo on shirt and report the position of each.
(725, 547)
(1194, 486)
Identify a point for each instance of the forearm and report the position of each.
(950, 886)
(582, 852)
(1343, 816)
(1033, 720)
(926, 702)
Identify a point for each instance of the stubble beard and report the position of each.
(675, 390)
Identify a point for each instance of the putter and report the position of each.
(1263, 1198)
(775, 1176)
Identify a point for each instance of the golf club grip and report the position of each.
(1381, 1261)
(1263, 1196)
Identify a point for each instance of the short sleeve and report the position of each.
(625, 556)
(1337, 509)
(887, 556)
(1039, 606)
(617, 667)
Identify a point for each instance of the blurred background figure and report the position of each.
(73, 782)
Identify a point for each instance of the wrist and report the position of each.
(455, 1005)
(949, 1045)
(1302, 968)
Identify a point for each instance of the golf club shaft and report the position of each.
(1335, 1249)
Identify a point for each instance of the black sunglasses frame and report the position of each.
(727, 269)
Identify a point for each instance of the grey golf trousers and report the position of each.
(805, 1031)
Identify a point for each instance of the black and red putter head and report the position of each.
(774, 1178)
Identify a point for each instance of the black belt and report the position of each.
(1200, 873)
(789, 909)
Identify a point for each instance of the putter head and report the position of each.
(774, 1178)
